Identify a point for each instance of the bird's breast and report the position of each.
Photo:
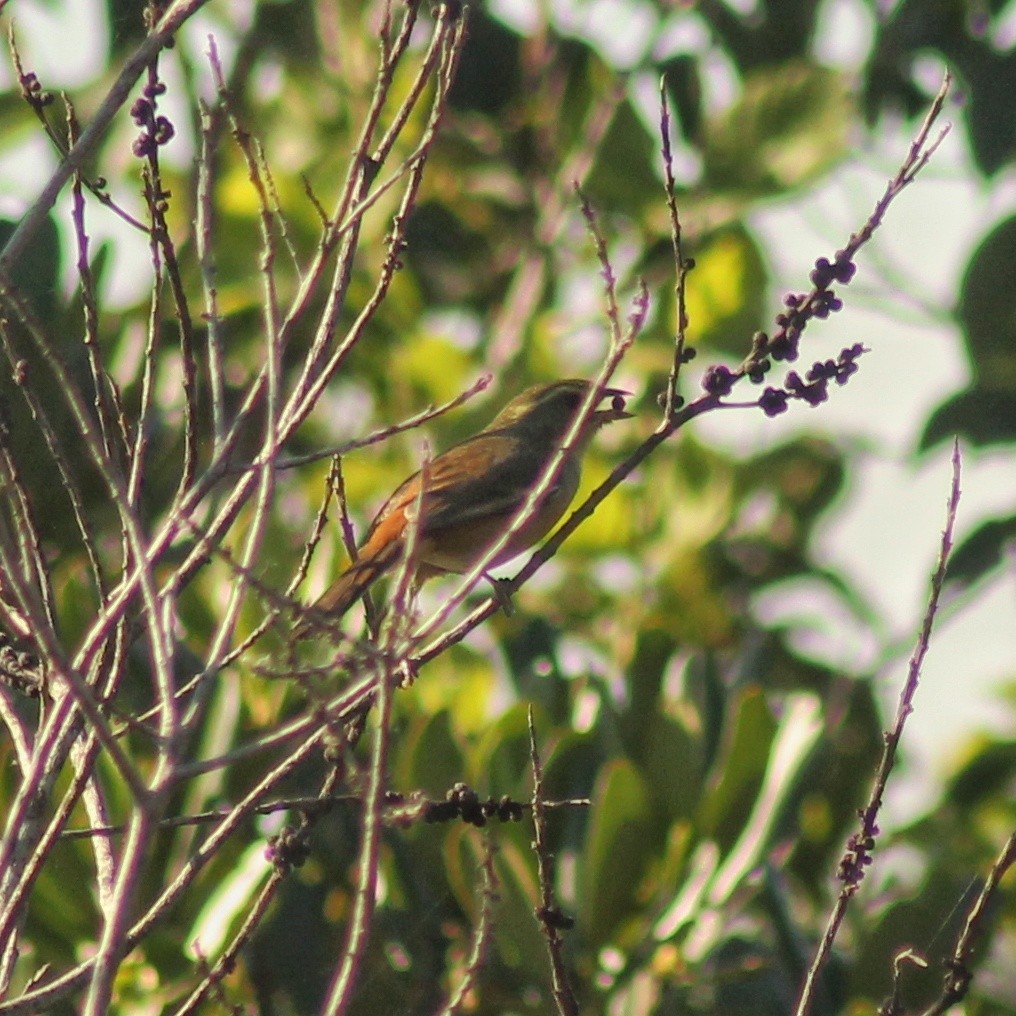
(457, 549)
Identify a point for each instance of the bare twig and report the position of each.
(552, 919)
(481, 935)
(960, 975)
(681, 266)
(178, 12)
(862, 843)
(358, 930)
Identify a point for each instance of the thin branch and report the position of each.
(253, 917)
(385, 433)
(441, 60)
(960, 975)
(552, 919)
(113, 439)
(681, 265)
(481, 935)
(204, 225)
(860, 846)
(178, 12)
(820, 300)
(45, 997)
(340, 993)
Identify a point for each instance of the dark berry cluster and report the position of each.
(718, 380)
(825, 273)
(156, 129)
(555, 917)
(857, 858)
(464, 802)
(289, 849)
(825, 303)
(33, 93)
(813, 388)
(773, 401)
(814, 392)
(757, 369)
(798, 310)
(791, 322)
(801, 308)
(18, 669)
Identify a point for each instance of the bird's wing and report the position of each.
(464, 484)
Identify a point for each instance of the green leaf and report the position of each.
(726, 293)
(990, 82)
(529, 641)
(806, 475)
(979, 415)
(674, 757)
(623, 177)
(618, 846)
(787, 129)
(987, 311)
(35, 275)
(226, 904)
(434, 366)
(985, 549)
(487, 76)
(432, 761)
(799, 729)
(653, 651)
(502, 761)
(985, 71)
(571, 768)
(739, 770)
(987, 778)
(519, 940)
(706, 689)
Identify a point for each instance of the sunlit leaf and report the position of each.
(787, 128)
(618, 845)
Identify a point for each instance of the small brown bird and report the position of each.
(475, 489)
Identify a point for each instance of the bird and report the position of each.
(472, 493)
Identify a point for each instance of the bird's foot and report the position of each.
(502, 589)
(406, 674)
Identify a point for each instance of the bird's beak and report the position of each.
(617, 409)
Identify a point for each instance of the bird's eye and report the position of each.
(617, 403)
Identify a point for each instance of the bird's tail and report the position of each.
(350, 586)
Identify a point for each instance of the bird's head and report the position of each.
(546, 411)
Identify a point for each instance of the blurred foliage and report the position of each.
(972, 41)
(723, 765)
(984, 414)
(966, 36)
